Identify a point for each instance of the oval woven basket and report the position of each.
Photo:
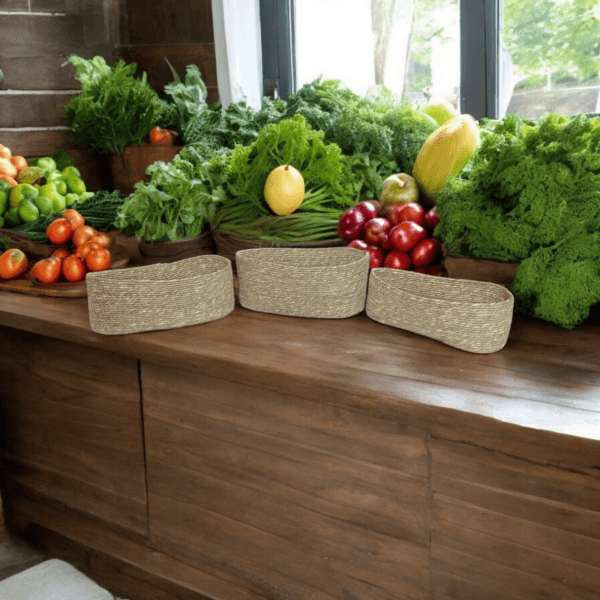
(227, 245)
(325, 283)
(473, 316)
(160, 296)
(162, 252)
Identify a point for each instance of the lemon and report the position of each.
(284, 190)
(28, 211)
(44, 205)
(22, 191)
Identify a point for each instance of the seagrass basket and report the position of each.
(326, 283)
(160, 296)
(473, 316)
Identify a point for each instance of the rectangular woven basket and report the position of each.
(160, 296)
(326, 283)
(473, 316)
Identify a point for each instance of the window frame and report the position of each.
(480, 28)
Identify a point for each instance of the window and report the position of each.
(487, 57)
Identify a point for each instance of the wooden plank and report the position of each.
(48, 6)
(31, 35)
(467, 464)
(41, 72)
(126, 566)
(517, 556)
(499, 578)
(32, 143)
(61, 438)
(170, 22)
(371, 439)
(26, 109)
(248, 477)
(554, 541)
(450, 586)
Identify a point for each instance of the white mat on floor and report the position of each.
(52, 580)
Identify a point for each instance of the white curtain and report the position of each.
(236, 26)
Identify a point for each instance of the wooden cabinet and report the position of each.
(297, 498)
(72, 426)
(509, 529)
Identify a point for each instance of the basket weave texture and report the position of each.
(228, 245)
(326, 283)
(473, 316)
(160, 296)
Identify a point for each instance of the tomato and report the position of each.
(47, 270)
(73, 269)
(84, 249)
(74, 217)
(60, 231)
(425, 252)
(82, 234)
(160, 136)
(62, 252)
(98, 260)
(103, 239)
(13, 263)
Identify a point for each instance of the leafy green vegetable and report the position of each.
(532, 195)
(114, 108)
(293, 142)
(62, 160)
(180, 199)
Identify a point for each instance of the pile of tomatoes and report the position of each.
(402, 239)
(80, 249)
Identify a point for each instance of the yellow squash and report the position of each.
(445, 153)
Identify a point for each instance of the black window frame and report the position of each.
(480, 28)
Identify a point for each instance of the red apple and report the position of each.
(351, 224)
(360, 244)
(396, 259)
(431, 219)
(425, 252)
(376, 232)
(407, 211)
(406, 235)
(430, 270)
(368, 208)
(376, 257)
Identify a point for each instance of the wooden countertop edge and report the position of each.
(64, 319)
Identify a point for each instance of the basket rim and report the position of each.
(355, 260)
(158, 268)
(507, 296)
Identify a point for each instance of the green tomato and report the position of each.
(28, 211)
(75, 184)
(71, 171)
(47, 163)
(71, 199)
(22, 191)
(85, 196)
(11, 217)
(4, 194)
(44, 205)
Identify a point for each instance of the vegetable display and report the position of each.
(531, 194)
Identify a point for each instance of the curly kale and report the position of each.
(532, 195)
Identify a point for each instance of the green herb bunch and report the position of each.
(114, 108)
(179, 200)
(532, 195)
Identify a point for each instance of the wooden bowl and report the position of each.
(475, 269)
(165, 252)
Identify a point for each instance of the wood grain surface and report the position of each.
(72, 426)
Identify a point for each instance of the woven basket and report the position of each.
(470, 315)
(160, 296)
(227, 245)
(326, 283)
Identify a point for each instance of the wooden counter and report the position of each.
(262, 456)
